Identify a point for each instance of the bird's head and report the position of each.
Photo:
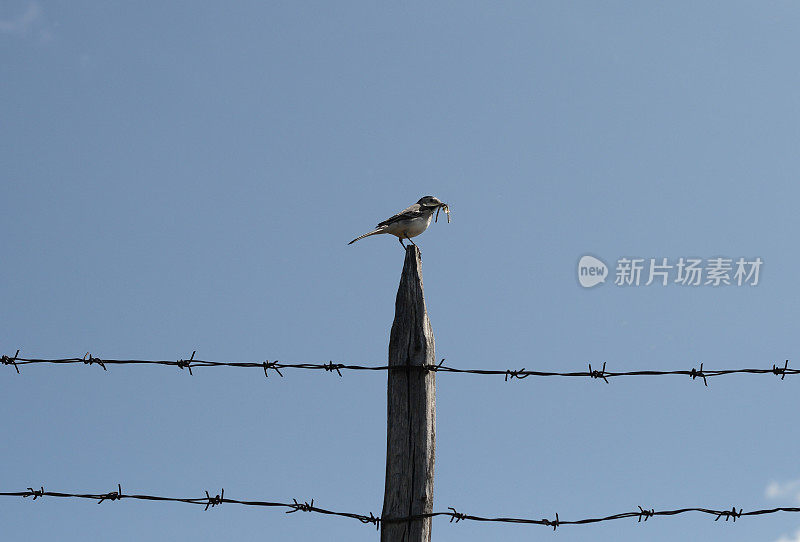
(430, 202)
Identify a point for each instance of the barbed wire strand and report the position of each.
(507, 374)
(209, 501)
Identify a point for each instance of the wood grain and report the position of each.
(411, 401)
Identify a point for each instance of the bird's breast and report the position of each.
(410, 228)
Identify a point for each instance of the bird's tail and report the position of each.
(373, 232)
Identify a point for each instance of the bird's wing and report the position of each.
(406, 214)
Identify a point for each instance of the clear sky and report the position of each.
(185, 176)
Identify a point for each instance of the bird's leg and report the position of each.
(401, 241)
(410, 241)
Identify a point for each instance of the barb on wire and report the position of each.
(219, 498)
(732, 513)
(375, 520)
(273, 365)
(598, 374)
(510, 374)
(507, 374)
(642, 514)
(302, 507)
(434, 368)
(456, 515)
(695, 373)
(11, 361)
(186, 363)
(36, 493)
(554, 524)
(113, 495)
(88, 360)
(775, 369)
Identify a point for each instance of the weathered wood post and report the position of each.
(411, 428)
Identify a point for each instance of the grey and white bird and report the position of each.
(411, 221)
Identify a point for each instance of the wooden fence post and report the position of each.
(411, 425)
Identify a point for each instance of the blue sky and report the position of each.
(185, 176)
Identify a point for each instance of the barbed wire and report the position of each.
(507, 374)
(209, 501)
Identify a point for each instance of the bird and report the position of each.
(411, 221)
